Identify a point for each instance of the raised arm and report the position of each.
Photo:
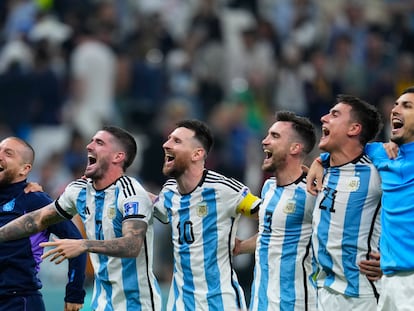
(129, 245)
(314, 177)
(30, 223)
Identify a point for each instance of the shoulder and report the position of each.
(78, 183)
(37, 199)
(220, 181)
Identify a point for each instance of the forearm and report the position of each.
(28, 224)
(248, 246)
(128, 245)
(121, 247)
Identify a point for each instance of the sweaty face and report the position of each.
(335, 127)
(402, 119)
(178, 150)
(276, 146)
(11, 161)
(100, 152)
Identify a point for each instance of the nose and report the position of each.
(324, 118)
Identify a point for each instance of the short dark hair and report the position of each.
(127, 142)
(201, 132)
(408, 90)
(302, 126)
(365, 114)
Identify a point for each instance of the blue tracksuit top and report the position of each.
(20, 259)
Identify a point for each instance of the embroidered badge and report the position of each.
(202, 209)
(353, 183)
(111, 212)
(9, 206)
(290, 206)
(131, 208)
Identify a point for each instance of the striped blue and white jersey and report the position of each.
(283, 255)
(346, 224)
(121, 284)
(204, 224)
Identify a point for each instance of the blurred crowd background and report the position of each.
(69, 66)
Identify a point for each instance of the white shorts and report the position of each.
(397, 292)
(329, 300)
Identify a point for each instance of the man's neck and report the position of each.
(188, 181)
(345, 155)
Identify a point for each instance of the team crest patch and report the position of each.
(111, 212)
(353, 183)
(290, 207)
(9, 206)
(131, 208)
(202, 209)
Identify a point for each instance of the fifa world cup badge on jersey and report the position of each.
(202, 209)
(131, 208)
(290, 206)
(353, 183)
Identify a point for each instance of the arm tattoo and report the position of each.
(29, 224)
(129, 245)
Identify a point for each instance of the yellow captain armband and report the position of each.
(249, 205)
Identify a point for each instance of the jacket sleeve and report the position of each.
(75, 292)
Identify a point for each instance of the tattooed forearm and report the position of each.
(29, 224)
(128, 245)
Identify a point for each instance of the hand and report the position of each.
(371, 267)
(391, 149)
(70, 306)
(33, 187)
(64, 248)
(314, 178)
(237, 249)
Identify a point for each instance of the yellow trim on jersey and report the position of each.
(248, 205)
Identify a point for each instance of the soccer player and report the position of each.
(346, 217)
(203, 208)
(20, 259)
(397, 216)
(282, 245)
(117, 214)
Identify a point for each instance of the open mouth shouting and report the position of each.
(396, 125)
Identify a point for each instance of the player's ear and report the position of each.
(355, 129)
(199, 154)
(119, 157)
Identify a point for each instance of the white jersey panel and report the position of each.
(204, 224)
(283, 255)
(346, 227)
(120, 283)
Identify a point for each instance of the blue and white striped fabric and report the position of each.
(346, 224)
(121, 284)
(204, 224)
(283, 255)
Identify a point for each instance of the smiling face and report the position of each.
(14, 161)
(335, 127)
(179, 150)
(100, 154)
(402, 119)
(276, 146)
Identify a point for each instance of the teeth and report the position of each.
(268, 154)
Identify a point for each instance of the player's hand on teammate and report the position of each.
(371, 267)
(63, 249)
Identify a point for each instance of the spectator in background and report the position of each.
(93, 74)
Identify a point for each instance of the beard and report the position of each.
(7, 179)
(276, 163)
(176, 170)
(99, 172)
